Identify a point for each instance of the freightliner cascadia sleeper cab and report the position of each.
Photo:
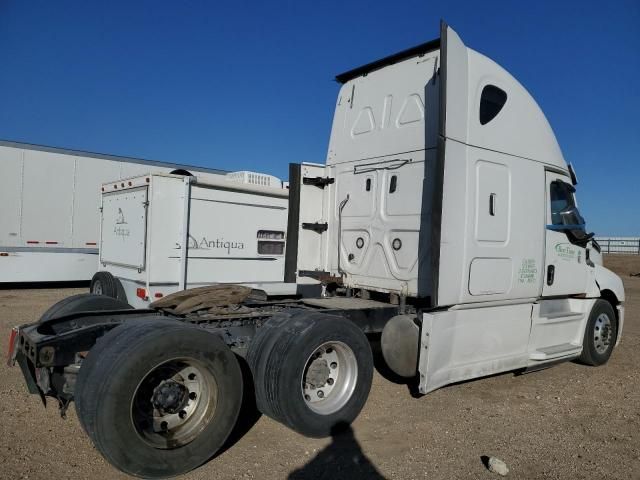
(444, 219)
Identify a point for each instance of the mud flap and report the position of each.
(423, 352)
(28, 372)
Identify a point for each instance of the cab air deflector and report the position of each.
(421, 49)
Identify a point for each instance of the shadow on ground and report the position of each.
(341, 459)
(44, 285)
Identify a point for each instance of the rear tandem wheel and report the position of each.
(158, 397)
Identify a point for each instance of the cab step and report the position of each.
(556, 351)
(559, 317)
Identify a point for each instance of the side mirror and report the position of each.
(573, 225)
(571, 217)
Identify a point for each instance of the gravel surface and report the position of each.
(569, 421)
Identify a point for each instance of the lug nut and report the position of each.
(320, 394)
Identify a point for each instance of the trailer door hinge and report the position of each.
(319, 182)
(316, 226)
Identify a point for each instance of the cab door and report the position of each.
(565, 259)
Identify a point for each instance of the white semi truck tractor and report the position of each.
(445, 219)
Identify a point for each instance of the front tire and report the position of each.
(600, 334)
(160, 397)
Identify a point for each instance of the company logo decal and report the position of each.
(214, 244)
(566, 251)
(118, 230)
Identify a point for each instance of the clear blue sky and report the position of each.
(248, 85)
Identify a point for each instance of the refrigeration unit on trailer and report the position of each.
(445, 220)
(49, 200)
(162, 233)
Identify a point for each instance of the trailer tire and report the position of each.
(600, 334)
(181, 372)
(314, 373)
(84, 302)
(104, 283)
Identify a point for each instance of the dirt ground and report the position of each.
(566, 422)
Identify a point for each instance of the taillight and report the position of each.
(158, 295)
(141, 293)
(13, 339)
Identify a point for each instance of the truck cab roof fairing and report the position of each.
(520, 129)
(418, 50)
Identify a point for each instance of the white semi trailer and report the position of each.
(160, 233)
(49, 199)
(444, 219)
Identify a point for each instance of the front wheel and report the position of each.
(600, 334)
(159, 398)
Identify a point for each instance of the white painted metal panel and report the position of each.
(490, 276)
(124, 228)
(514, 232)
(387, 112)
(461, 344)
(493, 202)
(312, 245)
(224, 240)
(53, 205)
(86, 199)
(47, 266)
(10, 196)
(226, 226)
(47, 202)
(384, 215)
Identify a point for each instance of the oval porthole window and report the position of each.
(396, 244)
(360, 242)
(492, 99)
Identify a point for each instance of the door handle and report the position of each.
(492, 204)
(551, 273)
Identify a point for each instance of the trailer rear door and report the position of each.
(124, 227)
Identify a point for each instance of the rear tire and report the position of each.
(104, 283)
(312, 372)
(600, 334)
(158, 398)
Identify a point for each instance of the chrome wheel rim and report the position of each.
(97, 287)
(602, 333)
(173, 403)
(329, 377)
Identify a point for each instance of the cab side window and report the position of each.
(561, 199)
(492, 99)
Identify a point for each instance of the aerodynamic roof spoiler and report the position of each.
(418, 50)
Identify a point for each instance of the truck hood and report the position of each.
(607, 280)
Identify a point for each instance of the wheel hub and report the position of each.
(329, 377)
(169, 396)
(602, 333)
(318, 373)
(174, 402)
